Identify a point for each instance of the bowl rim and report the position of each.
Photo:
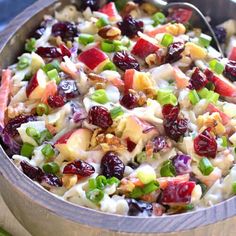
(87, 216)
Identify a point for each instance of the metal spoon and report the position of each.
(198, 19)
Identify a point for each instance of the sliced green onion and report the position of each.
(51, 168)
(42, 109)
(216, 66)
(53, 65)
(86, 39)
(213, 97)
(92, 183)
(204, 40)
(193, 97)
(103, 21)
(95, 195)
(101, 182)
(151, 187)
(110, 66)
(210, 86)
(136, 193)
(224, 141)
(158, 18)
(27, 150)
(167, 169)
(141, 157)
(116, 112)
(3, 232)
(32, 132)
(166, 96)
(203, 93)
(45, 135)
(48, 151)
(120, 48)
(205, 166)
(23, 63)
(113, 180)
(100, 96)
(30, 45)
(167, 40)
(234, 187)
(53, 75)
(189, 207)
(120, 4)
(204, 188)
(107, 46)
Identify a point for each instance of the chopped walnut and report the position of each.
(109, 32)
(69, 180)
(128, 8)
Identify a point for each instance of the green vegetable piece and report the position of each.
(30, 45)
(107, 46)
(110, 66)
(32, 132)
(23, 63)
(204, 40)
(3, 232)
(92, 183)
(101, 182)
(216, 66)
(141, 157)
(193, 97)
(95, 195)
(158, 18)
(100, 96)
(48, 151)
(103, 21)
(224, 141)
(45, 135)
(205, 166)
(42, 109)
(167, 40)
(234, 187)
(203, 93)
(51, 168)
(151, 187)
(167, 169)
(116, 112)
(166, 96)
(53, 65)
(53, 75)
(136, 193)
(113, 180)
(27, 150)
(85, 39)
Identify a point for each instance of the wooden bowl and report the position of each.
(43, 214)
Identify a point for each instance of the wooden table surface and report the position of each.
(9, 222)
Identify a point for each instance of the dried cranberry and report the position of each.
(93, 4)
(56, 101)
(205, 144)
(65, 51)
(139, 208)
(100, 117)
(48, 52)
(198, 80)
(33, 172)
(39, 32)
(174, 52)
(159, 143)
(170, 112)
(177, 193)
(230, 70)
(68, 89)
(129, 101)
(130, 27)
(220, 33)
(13, 124)
(112, 166)
(130, 145)
(66, 30)
(175, 129)
(125, 61)
(80, 168)
(181, 163)
(50, 179)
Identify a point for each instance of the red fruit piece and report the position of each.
(129, 79)
(230, 71)
(205, 144)
(64, 138)
(48, 52)
(65, 51)
(170, 112)
(110, 10)
(80, 168)
(129, 101)
(125, 61)
(56, 101)
(143, 48)
(211, 108)
(222, 86)
(198, 80)
(92, 57)
(177, 193)
(181, 15)
(232, 54)
(130, 145)
(100, 117)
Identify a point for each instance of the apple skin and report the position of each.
(71, 143)
(232, 54)
(128, 79)
(143, 48)
(37, 85)
(137, 129)
(92, 57)
(110, 10)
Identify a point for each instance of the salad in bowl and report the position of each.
(124, 109)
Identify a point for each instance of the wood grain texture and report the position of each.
(44, 214)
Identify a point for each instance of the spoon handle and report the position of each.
(158, 3)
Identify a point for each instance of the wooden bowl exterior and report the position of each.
(44, 214)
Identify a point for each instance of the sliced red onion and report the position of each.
(79, 115)
(181, 163)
